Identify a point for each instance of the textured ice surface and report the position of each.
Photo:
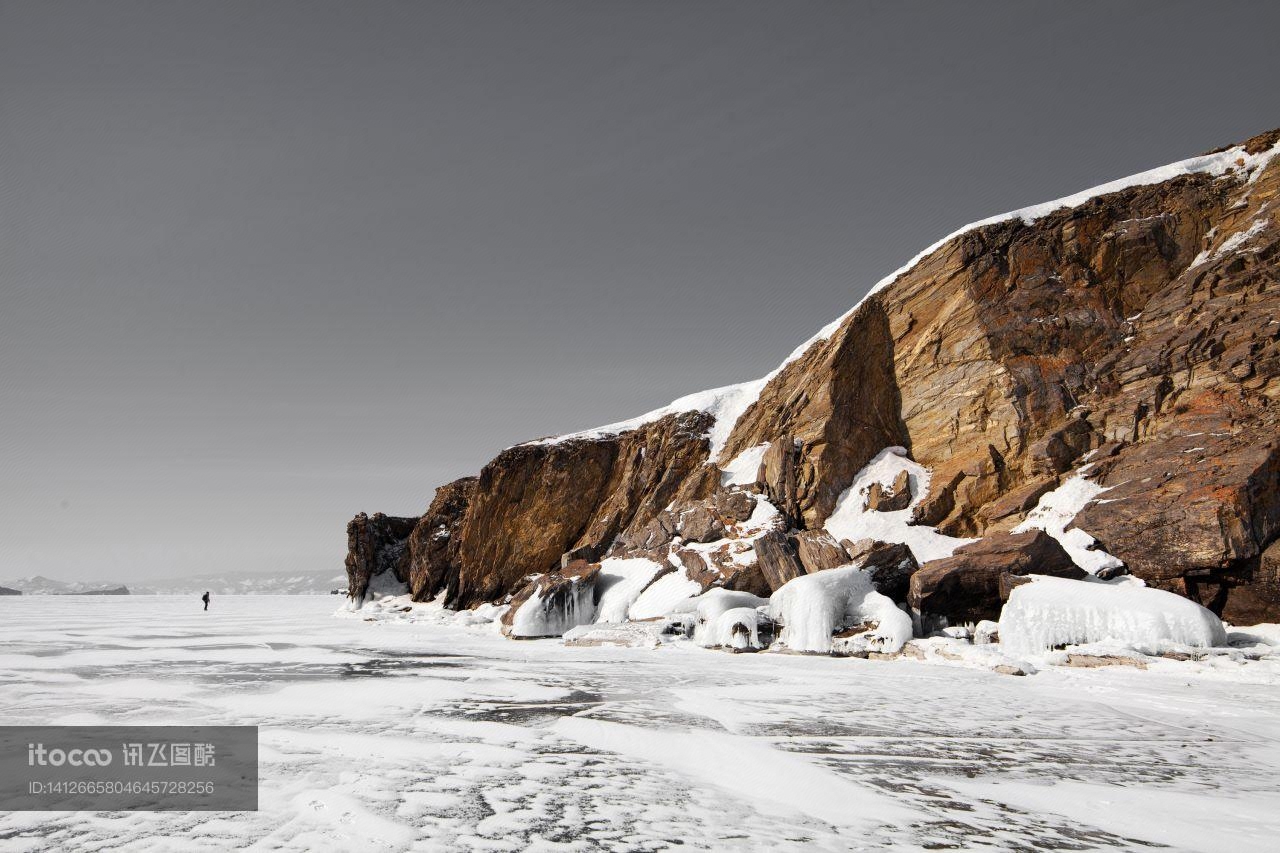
(393, 735)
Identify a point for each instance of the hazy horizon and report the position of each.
(268, 265)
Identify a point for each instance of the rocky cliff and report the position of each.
(1103, 368)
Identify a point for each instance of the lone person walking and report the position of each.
(205, 599)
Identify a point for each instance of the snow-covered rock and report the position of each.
(553, 603)
(737, 629)
(620, 583)
(1049, 612)
(726, 618)
(986, 632)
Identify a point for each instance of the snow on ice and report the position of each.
(453, 738)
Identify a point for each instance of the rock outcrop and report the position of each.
(376, 545)
(1129, 336)
(966, 587)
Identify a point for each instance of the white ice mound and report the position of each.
(813, 607)
(737, 628)
(663, 595)
(851, 518)
(554, 609)
(726, 618)
(1051, 611)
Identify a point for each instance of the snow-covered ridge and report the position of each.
(727, 404)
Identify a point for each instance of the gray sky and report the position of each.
(264, 265)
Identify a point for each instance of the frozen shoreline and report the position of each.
(396, 735)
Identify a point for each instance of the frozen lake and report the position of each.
(403, 736)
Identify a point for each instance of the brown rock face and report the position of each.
(700, 524)
(536, 501)
(818, 550)
(375, 545)
(1136, 333)
(965, 587)
(434, 543)
(776, 559)
(840, 401)
(891, 565)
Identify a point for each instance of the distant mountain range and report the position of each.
(226, 583)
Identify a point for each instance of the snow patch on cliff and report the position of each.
(1232, 243)
(852, 520)
(743, 468)
(1051, 611)
(1056, 511)
(725, 404)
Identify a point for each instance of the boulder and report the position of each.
(735, 505)
(777, 560)
(818, 550)
(891, 565)
(1019, 500)
(966, 587)
(699, 523)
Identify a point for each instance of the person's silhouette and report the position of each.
(205, 599)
